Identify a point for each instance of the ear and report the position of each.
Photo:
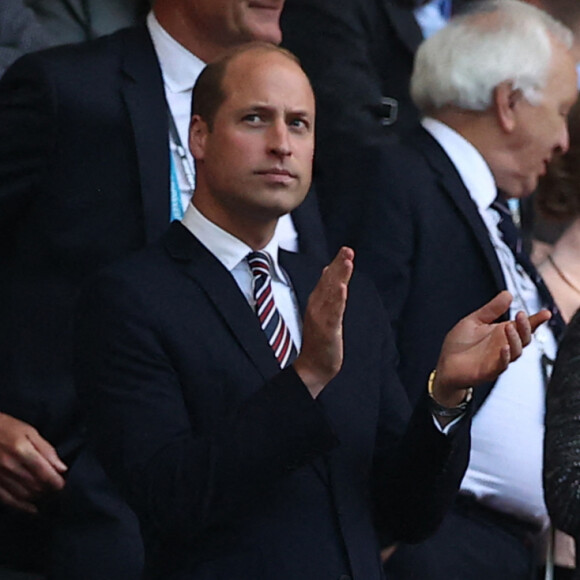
(505, 101)
(198, 132)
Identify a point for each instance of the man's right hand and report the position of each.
(321, 355)
(29, 465)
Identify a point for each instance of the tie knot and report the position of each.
(259, 263)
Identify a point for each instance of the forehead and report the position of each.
(268, 78)
(562, 84)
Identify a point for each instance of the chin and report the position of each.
(267, 33)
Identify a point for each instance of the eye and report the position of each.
(299, 124)
(253, 118)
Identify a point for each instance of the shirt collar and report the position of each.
(471, 166)
(228, 249)
(179, 67)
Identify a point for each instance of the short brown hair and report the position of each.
(208, 92)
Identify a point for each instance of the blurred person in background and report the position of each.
(558, 203)
(28, 25)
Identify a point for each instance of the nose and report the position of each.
(279, 139)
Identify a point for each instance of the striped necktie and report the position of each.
(271, 321)
(513, 239)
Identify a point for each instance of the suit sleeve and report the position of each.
(562, 437)
(415, 481)
(179, 478)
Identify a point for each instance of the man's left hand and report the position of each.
(477, 349)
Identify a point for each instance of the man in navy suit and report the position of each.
(495, 88)
(240, 463)
(86, 166)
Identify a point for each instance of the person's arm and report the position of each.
(28, 137)
(416, 481)
(562, 436)
(29, 465)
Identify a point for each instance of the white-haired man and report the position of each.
(495, 87)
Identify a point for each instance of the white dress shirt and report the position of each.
(180, 69)
(505, 467)
(232, 252)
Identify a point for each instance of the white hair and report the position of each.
(498, 41)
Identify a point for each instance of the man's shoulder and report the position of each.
(89, 59)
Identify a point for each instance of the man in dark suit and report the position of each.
(240, 463)
(84, 179)
(439, 240)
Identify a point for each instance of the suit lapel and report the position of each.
(304, 279)
(454, 188)
(222, 291)
(143, 92)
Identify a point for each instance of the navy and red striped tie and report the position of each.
(271, 321)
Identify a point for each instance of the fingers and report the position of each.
(42, 469)
(29, 465)
(47, 451)
(322, 351)
(329, 296)
(497, 306)
(10, 500)
(338, 273)
(515, 342)
(539, 318)
(519, 332)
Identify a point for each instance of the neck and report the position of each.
(254, 231)
(175, 20)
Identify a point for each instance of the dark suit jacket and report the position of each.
(234, 470)
(84, 179)
(356, 53)
(427, 249)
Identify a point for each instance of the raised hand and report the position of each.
(29, 465)
(477, 350)
(321, 355)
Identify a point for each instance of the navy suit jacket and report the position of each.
(428, 251)
(357, 54)
(84, 180)
(233, 469)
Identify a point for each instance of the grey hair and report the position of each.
(497, 41)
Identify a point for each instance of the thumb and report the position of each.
(491, 311)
